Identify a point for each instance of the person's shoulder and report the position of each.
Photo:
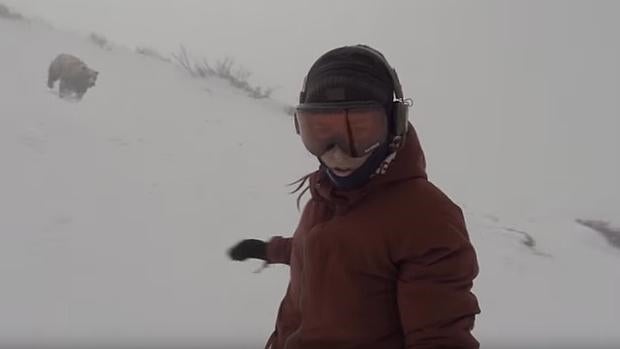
(423, 196)
(427, 217)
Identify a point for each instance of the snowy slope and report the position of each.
(116, 212)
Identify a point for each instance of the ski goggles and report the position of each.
(356, 127)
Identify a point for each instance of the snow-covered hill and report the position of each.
(116, 212)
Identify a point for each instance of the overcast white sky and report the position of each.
(279, 39)
(517, 105)
(521, 77)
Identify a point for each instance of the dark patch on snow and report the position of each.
(7, 13)
(611, 234)
(528, 241)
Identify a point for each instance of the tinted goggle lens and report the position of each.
(356, 129)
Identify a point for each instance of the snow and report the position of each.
(116, 213)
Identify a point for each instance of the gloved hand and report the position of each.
(249, 248)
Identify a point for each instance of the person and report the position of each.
(381, 258)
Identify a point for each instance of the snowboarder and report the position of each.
(381, 258)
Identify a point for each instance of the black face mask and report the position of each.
(361, 175)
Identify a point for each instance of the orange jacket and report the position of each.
(388, 266)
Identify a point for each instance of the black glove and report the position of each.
(250, 248)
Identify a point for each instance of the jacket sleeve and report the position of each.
(279, 250)
(436, 306)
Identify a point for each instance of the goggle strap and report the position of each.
(296, 123)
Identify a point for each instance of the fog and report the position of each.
(505, 81)
(517, 104)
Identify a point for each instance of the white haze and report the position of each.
(116, 212)
(524, 93)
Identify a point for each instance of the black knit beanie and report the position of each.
(346, 74)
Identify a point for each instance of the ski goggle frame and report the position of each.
(355, 127)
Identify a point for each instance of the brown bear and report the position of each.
(74, 75)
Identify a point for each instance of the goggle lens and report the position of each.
(356, 129)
